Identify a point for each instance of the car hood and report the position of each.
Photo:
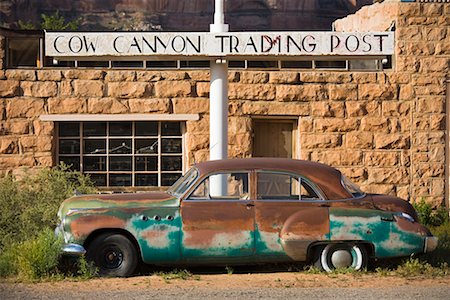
(394, 204)
(110, 201)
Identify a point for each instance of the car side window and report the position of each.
(223, 186)
(279, 186)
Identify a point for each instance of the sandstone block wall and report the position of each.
(385, 130)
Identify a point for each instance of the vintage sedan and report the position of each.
(243, 211)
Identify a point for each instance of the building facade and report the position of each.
(133, 125)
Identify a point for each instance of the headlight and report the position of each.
(405, 216)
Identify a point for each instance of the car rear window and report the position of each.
(351, 187)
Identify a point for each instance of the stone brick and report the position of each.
(241, 91)
(15, 161)
(311, 141)
(406, 92)
(331, 158)
(351, 157)
(434, 64)
(391, 141)
(120, 76)
(343, 92)
(355, 108)
(431, 89)
(201, 156)
(432, 9)
(357, 174)
(437, 187)
(83, 74)
(385, 189)
(65, 88)
(326, 77)
(335, 125)
(197, 142)
(234, 76)
(396, 175)
(199, 126)
(49, 75)
(305, 92)
(203, 89)
(403, 192)
(88, 88)
(435, 34)
(239, 125)
(9, 88)
(24, 108)
(67, 105)
(2, 74)
(199, 75)
(364, 77)
(382, 158)
(15, 126)
(129, 89)
(174, 75)
(374, 124)
(275, 108)
(169, 89)
(8, 145)
(359, 140)
(28, 143)
(442, 48)
(410, 33)
(107, 106)
(45, 161)
(407, 63)
(17, 74)
(43, 128)
(281, 77)
(376, 91)
(327, 109)
(40, 89)
(431, 105)
(395, 108)
(149, 105)
(306, 124)
(44, 143)
(254, 77)
(437, 122)
(399, 78)
(190, 105)
(149, 76)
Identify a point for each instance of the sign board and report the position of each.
(205, 44)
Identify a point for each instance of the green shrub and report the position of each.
(30, 204)
(39, 257)
(429, 216)
(8, 261)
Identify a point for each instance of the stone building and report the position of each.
(381, 121)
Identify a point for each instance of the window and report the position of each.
(23, 52)
(224, 186)
(351, 187)
(117, 154)
(278, 186)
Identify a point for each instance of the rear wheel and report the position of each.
(113, 254)
(342, 255)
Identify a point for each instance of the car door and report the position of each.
(290, 215)
(218, 220)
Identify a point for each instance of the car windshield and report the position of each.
(183, 183)
(351, 187)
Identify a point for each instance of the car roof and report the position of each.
(328, 179)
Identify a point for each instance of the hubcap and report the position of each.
(341, 259)
(113, 258)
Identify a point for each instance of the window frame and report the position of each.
(202, 179)
(108, 137)
(313, 186)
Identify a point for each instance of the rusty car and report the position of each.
(243, 211)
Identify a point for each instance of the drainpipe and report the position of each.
(218, 115)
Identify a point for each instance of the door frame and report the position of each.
(283, 119)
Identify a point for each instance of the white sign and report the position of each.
(132, 44)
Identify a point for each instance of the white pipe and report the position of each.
(218, 115)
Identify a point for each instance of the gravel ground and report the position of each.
(236, 293)
(278, 285)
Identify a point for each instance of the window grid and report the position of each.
(107, 155)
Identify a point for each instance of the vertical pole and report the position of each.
(218, 116)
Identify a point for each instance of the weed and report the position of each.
(86, 269)
(415, 267)
(177, 274)
(229, 269)
(430, 216)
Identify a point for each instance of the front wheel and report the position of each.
(113, 254)
(342, 255)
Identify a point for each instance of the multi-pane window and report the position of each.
(118, 154)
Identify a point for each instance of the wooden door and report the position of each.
(273, 138)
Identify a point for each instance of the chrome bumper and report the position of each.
(431, 243)
(73, 250)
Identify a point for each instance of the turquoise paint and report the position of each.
(367, 225)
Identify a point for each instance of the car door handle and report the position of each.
(391, 219)
(324, 205)
(249, 204)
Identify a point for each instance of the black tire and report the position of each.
(113, 254)
(341, 255)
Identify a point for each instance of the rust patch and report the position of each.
(83, 226)
(412, 227)
(394, 204)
